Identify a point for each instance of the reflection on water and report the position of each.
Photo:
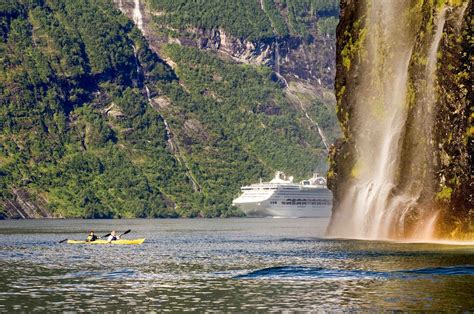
(225, 265)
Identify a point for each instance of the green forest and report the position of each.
(78, 132)
(249, 19)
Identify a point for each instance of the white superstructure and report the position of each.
(282, 198)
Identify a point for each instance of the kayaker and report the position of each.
(91, 237)
(113, 236)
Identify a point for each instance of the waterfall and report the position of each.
(277, 57)
(137, 18)
(174, 146)
(137, 64)
(375, 204)
(425, 229)
(137, 15)
(277, 65)
(432, 60)
(167, 127)
(320, 130)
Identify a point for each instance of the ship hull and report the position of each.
(264, 209)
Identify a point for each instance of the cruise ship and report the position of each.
(282, 198)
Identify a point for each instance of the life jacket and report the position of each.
(91, 238)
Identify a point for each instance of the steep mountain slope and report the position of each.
(295, 38)
(95, 124)
(63, 64)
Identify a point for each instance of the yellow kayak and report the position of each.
(121, 241)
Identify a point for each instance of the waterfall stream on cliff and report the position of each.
(137, 15)
(376, 205)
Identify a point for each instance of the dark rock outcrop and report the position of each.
(23, 205)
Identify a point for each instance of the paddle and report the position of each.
(128, 231)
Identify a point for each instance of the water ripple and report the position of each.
(304, 272)
(231, 265)
(446, 271)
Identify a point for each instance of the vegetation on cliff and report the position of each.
(79, 134)
(59, 62)
(249, 19)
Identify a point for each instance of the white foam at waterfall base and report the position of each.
(369, 208)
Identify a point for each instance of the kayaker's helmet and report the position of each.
(113, 232)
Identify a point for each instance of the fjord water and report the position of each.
(225, 265)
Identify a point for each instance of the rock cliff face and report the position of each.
(307, 58)
(23, 205)
(404, 166)
(295, 58)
